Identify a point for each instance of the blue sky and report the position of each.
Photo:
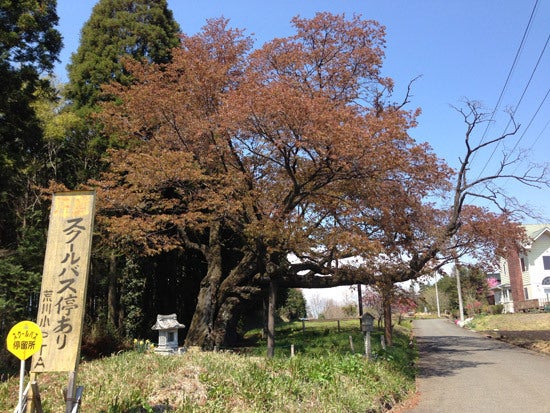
(462, 49)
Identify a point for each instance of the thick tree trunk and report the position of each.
(388, 330)
(202, 323)
(226, 311)
(220, 336)
(222, 290)
(112, 295)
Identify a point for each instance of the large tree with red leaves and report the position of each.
(272, 166)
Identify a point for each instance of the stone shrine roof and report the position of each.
(167, 322)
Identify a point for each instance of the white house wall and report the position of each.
(504, 273)
(535, 272)
(539, 248)
(526, 279)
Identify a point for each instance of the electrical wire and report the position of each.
(516, 108)
(541, 132)
(505, 86)
(532, 119)
(516, 58)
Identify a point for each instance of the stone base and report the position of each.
(169, 350)
(165, 350)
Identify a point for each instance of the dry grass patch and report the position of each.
(527, 330)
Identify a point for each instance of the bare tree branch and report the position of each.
(534, 175)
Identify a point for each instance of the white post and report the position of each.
(367, 345)
(21, 382)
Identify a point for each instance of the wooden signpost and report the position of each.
(64, 283)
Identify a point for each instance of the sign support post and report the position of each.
(71, 387)
(21, 383)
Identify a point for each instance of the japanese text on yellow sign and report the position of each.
(24, 339)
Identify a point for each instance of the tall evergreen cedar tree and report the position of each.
(271, 166)
(117, 29)
(29, 46)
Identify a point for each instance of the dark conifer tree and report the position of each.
(115, 31)
(118, 29)
(29, 46)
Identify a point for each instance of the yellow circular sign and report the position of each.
(24, 339)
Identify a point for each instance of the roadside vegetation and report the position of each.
(325, 375)
(527, 330)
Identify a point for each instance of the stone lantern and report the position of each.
(367, 322)
(167, 326)
(367, 325)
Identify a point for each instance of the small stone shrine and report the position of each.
(167, 326)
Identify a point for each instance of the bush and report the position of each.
(496, 309)
(100, 340)
(293, 304)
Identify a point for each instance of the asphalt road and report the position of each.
(466, 372)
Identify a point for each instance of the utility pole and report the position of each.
(459, 289)
(437, 298)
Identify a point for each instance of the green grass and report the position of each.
(324, 375)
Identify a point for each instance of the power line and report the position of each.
(503, 90)
(532, 118)
(527, 128)
(518, 52)
(517, 106)
(529, 81)
(529, 124)
(541, 132)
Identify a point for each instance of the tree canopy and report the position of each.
(235, 170)
(29, 46)
(117, 29)
(291, 150)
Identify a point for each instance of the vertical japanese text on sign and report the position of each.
(64, 281)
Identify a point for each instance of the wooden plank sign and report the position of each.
(64, 281)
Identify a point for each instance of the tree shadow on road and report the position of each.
(444, 355)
